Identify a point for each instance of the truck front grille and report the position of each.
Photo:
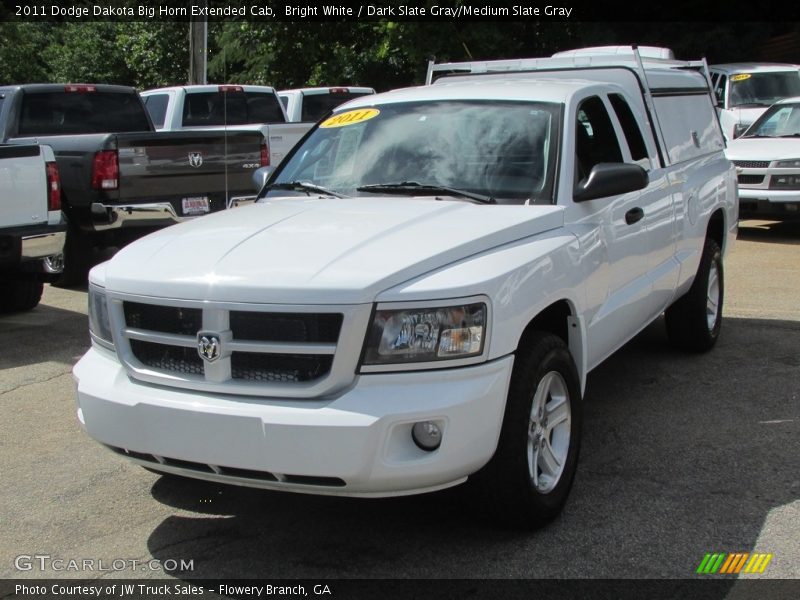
(286, 327)
(260, 350)
(171, 359)
(279, 368)
(751, 164)
(750, 179)
(164, 319)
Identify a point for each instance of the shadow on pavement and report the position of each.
(778, 232)
(43, 334)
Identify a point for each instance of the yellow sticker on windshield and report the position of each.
(351, 117)
(741, 76)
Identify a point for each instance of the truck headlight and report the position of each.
(99, 323)
(426, 334)
(792, 163)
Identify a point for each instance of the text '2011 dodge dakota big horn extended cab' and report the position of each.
(121, 178)
(421, 290)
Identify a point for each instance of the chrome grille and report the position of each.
(286, 327)
(173, 359)
(164, 319)
(281, 368)
(750, 179)
(751, 164)
(281, 351)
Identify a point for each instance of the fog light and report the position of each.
(426, 435)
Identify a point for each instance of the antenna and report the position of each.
(225, 123)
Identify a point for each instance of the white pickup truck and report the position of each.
(311, 104)
(215, 107)
(423, 287)
(32, 227)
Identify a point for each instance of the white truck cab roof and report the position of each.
(752, 67)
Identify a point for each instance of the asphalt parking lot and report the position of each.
(682, 455)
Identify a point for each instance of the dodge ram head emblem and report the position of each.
(208, 346)
(195, 159)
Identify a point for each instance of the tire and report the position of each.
(21, 295)
(77, 258)
(695, 319)
(527, 481)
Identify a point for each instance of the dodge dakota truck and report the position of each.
(420, 291)
(32, 228)
(121, 178)
(220, 107)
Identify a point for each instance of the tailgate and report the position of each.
(283, 137)
(189, 169)
(23, 186)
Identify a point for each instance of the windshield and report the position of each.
(502, 150)
(763, 89)
(231, 108)
(782, 120)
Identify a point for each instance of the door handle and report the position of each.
(634, 215)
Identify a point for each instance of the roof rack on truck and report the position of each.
(598, 56)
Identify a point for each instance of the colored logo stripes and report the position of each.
(733, 563)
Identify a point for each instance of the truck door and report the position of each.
(618, 292)
(659, 198)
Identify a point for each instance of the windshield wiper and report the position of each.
(789, 135)
(749, 104)
(415, 187)
(302, 186)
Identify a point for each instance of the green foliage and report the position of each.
(20, 52)
(382, 54)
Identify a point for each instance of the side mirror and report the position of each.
(260, 177)
(611, 179)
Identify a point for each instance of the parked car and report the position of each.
(419, 294)
(745, 90)
(218, 107)
(767, 159)
(32, 228)
(121, 178)
(311, 104)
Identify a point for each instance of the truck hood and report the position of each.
(763, 149)
(748, 116)
(316, 250)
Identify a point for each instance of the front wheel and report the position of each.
(527, 481)
(695, 319)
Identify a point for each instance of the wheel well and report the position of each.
(552, 319)
(716, 228)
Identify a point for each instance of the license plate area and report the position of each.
(196, 205)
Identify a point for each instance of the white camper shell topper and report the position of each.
(423, 286)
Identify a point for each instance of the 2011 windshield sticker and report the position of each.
(741, 77)
(351, 117)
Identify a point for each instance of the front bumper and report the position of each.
(357, 444)
(769, 203)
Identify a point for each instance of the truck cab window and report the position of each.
(157, 107)
(595, 141)
(630, 128)
(719, 92)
